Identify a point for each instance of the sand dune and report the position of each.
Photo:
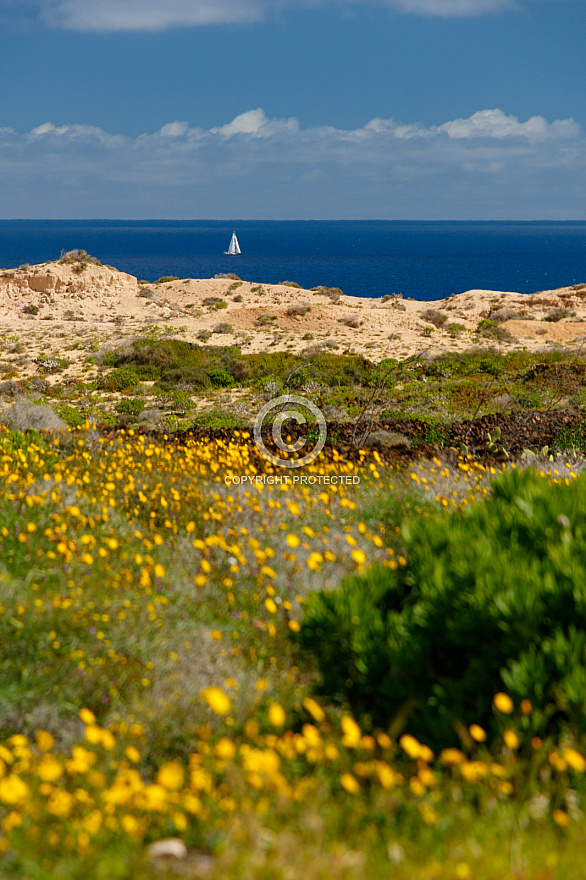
(53, 306)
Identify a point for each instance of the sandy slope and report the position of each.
(100, 305)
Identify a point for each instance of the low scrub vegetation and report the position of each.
(438, 319)
(298, 309)
(215, 302)
(78, 259)
(454, 386)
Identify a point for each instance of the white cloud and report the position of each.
(491, 166)
(158, 15)
(174, 129)
(451, 8)
(147, 15)
(86, 133)
(256, 124)
(495, 124)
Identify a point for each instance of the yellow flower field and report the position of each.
(151, 685)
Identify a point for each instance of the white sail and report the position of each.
(234, 248)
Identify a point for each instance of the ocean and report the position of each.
(421, 260)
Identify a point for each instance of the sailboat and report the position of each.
(234, 247)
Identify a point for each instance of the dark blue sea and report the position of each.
(422, 260)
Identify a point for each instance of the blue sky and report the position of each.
(405, 109)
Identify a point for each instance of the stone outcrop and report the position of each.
(56, 282)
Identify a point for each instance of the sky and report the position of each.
(293, 109)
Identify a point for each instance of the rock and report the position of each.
(529, 455)
(503, 400)
(385, 440)
(170, 848)
(199, 865)
(334, 413)
(172, 856)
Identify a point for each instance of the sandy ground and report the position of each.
(76, 312)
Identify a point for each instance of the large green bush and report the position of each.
(120, 379)
(173, 361)
(490, 600)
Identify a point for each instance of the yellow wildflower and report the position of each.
(45, 741)
(132, 754)
(561, 818)
(575, 760)
(155, 797)
(60, 803)
(410, 745)
(477, 732)
(276, 715)
(170, 776)
(504, 703)
(49, 769)
(511, 739)
(473, 771)
(13, 790)
(93, 822)
(349, 783)
(225, 749)
(93, 734)
(452, 757)
(351, 731)
(12, 820)
(132, 826)
(217, 700)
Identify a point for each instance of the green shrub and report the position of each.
(573, 438)
(491, 330)
(148, 372)
(166, 278)
(558, 314)
(132, 406)
(173, 362)
(79, 258)
(221, 378)
(434, 317)
(30, 309)
(491, 600)
(71, 416)
(215, 302)
(51, 363)
(15, 439)
(120, 379)
(215, 419)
